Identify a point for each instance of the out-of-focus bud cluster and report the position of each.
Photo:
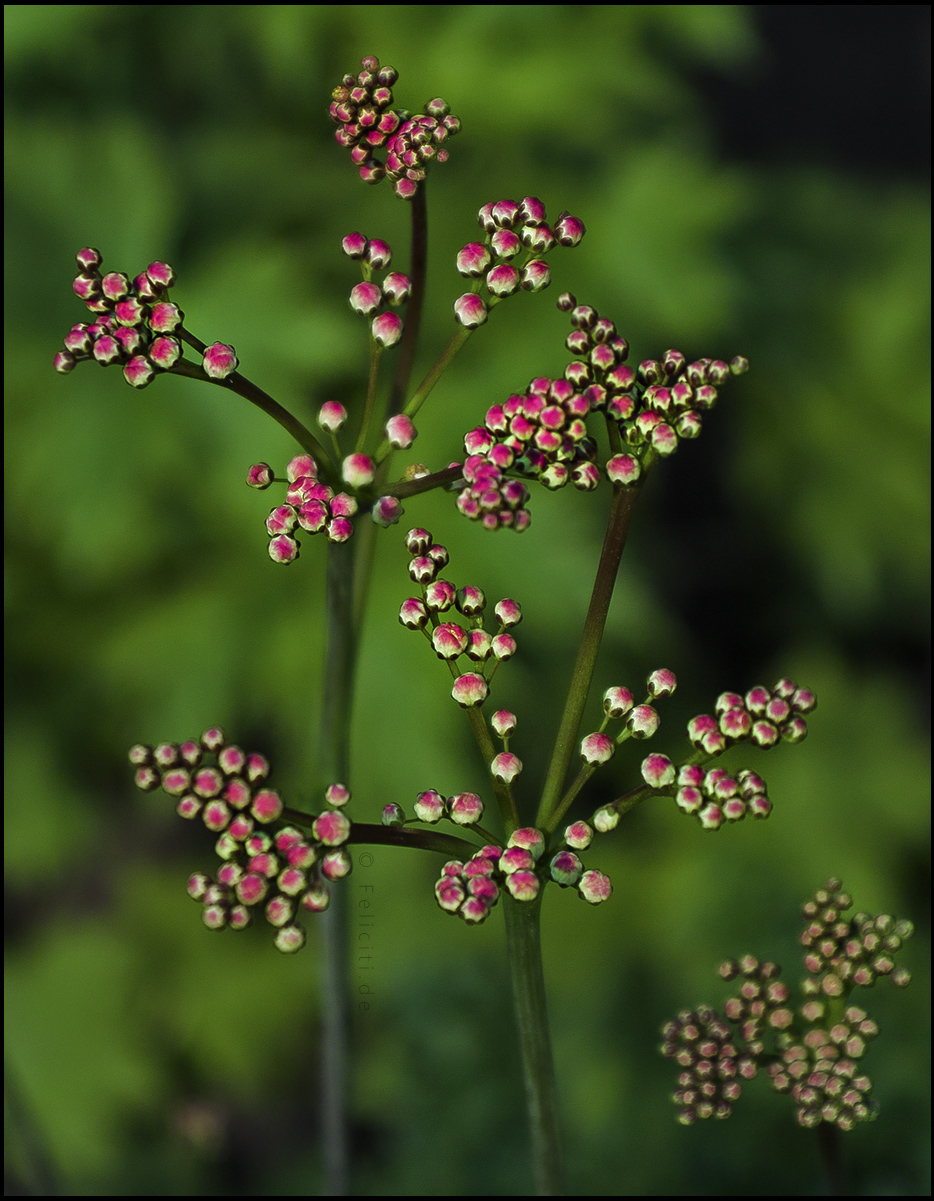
(463, 638)
(370, 299)
(369, 126)
(310, 507)
(470, 889)
(135, 324)
(264, 862)
(813, 1049)
(509, 258)
(762, 716)
(712, 1070)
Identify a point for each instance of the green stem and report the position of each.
(615, 539)
(418, 269)
(404, 836)
(249, 391)
(523, 942)
(340, 661)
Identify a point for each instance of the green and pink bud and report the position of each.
(528, 838)
(470, 690)
(386, 329)
(470, 311)
(465, 809)
(429, 806)
(219, 361)
(658, 771)
(597, 748)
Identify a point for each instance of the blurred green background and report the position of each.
(746, 188)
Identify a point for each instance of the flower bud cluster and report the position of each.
(135, 324)
(714, 796)
(310, 507)
(824, 1078)
(263, 861)
(712, 1068)
(508, 259)
(539, 434)
(654, 405)
(470, 889)
(463, 638)
(370, 299)
(762, 716)
(813, 1049)
(367, 124)
(842, 952)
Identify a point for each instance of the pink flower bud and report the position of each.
(365, 298)
(523, 885)
(617, 701)
(331, 828)
(508, 612)
(331, 416)
(400, 431)
(469, 310)
(387, 329)
(378, 254)
(535, 276)
(386, 511)
(578, 835)
(565, 868)
(267, 805)
(358, 470)
(642, 722)
(429, 806)
(139, 372)
(503, 280)
(393, 815)
(470, 690)
(337, 795)
(569, 230)
(505, 767)
(219, 361)
(397, 288)
(473, 260)
(661, 682)
(597, 748)
(465, 808)
(529, 839)
(594, 887)
(658, 771)
(354, 246)
(503, 722)
(623, 469)
(448, 640)
(299, 466)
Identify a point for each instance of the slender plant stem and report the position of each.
(340, 662)
(249, 391)
(523, 942)
(413, 313)
(831, 1153)
(615, 539)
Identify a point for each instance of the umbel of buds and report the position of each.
(266, 865)
(134, 324)
(813, 1047)
(543, 434)
(369, 127)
